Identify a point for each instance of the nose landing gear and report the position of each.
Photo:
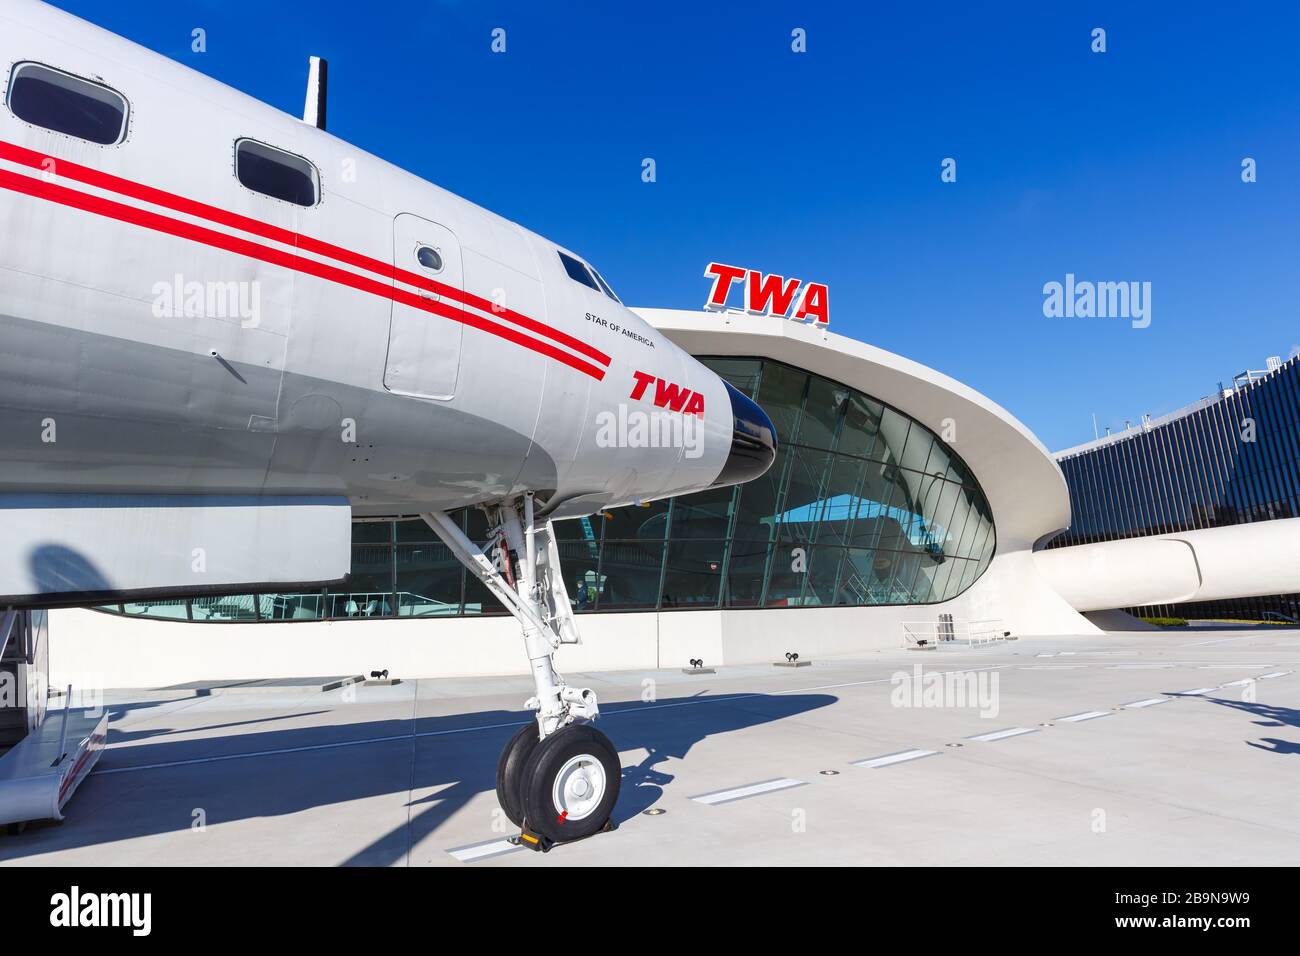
(558, 778)
(559, 789)
(510, 772)
(570, 784)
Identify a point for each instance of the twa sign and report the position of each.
(769, 294)
(675, 398)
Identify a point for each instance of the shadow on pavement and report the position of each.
(279, 772)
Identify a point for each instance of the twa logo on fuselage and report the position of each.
(667, 395)
(769, 294)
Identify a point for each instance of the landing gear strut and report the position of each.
(557, 779)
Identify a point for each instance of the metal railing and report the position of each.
(953, 631)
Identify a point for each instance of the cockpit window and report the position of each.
(578, 272)
(605, 285)
(587, 275)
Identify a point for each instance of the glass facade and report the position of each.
(1232, 461)
(863, 506)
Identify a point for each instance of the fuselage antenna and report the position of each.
(313, 110)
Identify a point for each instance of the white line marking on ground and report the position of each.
(1052, 667)
(879, 680)
(641, 708)
(380, 740)
(1149, 702)
(481, 851)
(749, 790)
(1239, 683)
(1194, 691)
(1137, 667)
(632, 709)
(1275, 674)
(1086, 715)
(262, 753)
(1232, 667)
(1003, 734)
(889, 760)
(1229, 663)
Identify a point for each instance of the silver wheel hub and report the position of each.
(579, 787)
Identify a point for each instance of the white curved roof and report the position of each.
(1022, 481)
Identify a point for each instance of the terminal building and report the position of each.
(1232, 458)
(899, 499)
(898, 494)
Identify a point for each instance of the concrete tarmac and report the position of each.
(1180, 747)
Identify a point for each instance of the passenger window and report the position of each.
(273, 172)
(67, 104)
(429, 258)
(578, 272)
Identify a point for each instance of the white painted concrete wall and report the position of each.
(1242, 560)
(90, 649)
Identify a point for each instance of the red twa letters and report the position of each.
(667, 395)
(769, 294)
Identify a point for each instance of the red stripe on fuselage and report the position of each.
(158, 197)
(175, 227)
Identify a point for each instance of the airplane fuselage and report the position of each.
(167, 329)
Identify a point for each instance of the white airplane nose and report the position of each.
(753, 441)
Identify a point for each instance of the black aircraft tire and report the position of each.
(579, 764)
(510, 771)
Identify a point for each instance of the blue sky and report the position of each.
(1118, 166)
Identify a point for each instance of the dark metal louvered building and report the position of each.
(1229, 459)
